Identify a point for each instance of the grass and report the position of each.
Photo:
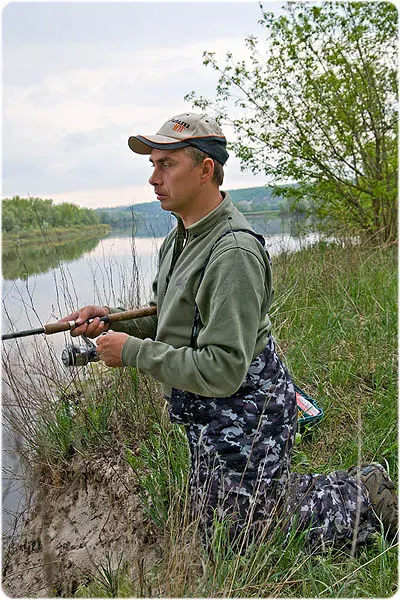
(109, 581)
(161, 466)
(335, 321)
(96, 412)
(337, 327)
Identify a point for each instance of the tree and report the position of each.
(23, 214)
(318, 107)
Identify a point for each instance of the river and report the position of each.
(41, 287)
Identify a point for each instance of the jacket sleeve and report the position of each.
(231, 301)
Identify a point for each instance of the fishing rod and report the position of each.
(58, 327)
(78, 356)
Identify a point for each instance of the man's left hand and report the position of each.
(109, 348)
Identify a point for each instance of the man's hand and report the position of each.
(109, 348)
(93, 329)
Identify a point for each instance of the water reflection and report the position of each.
(30, 260)
(24, 261)
(116, 271)
(157, 226)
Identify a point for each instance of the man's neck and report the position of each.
(202, 209)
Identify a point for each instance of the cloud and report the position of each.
(76, 86)
(107, 197)
(71, 130)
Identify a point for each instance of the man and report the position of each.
(211, 348)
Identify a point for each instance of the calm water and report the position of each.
(40, 287)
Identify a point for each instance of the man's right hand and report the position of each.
(81, 316)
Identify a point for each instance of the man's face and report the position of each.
(176, 180)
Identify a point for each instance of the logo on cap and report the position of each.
(178, 127)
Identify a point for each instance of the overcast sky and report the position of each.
(80, 78)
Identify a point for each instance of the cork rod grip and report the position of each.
(135, 313)
(58, 327)
(50, 328)
(112, 318)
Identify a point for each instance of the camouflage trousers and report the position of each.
(240, 449)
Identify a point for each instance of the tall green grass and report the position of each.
(335, 321)
(161, 466)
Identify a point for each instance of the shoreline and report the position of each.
(35, 238)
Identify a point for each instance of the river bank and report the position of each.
(35, 251)
(110, 518)
(35, 238)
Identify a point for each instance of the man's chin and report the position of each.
(164, 203)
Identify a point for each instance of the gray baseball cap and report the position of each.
(187, 129)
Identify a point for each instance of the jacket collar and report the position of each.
(218, 214)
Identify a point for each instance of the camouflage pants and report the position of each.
(240, 458)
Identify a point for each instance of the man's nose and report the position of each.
(154, 179)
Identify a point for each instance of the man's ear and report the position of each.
(207, 169)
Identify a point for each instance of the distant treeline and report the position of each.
(147, 219)
(23, 214)
(150, 219)
(256, 199)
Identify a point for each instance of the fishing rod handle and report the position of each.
(58, 327)
(112, 318)
(126, 315)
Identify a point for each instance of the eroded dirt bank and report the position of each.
(90, 518)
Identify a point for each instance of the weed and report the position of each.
(109, 581)
(161, 466)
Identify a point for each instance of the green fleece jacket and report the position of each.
(233, 300)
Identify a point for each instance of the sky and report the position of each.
(80, 77)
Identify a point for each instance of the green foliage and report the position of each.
(316, 104)
(74, 423)
(258, 199)
(23, 214)
(335, 316)
(161, 467)
(118, 216)
(109, 581)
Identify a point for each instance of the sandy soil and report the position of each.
(92, 516)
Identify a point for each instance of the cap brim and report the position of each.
(144, 144)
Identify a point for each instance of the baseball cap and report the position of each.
(187, 129)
